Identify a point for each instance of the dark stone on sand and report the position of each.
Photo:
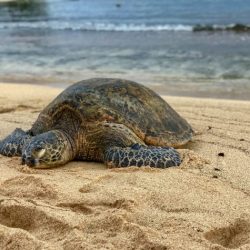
(221, 154)
(217, 169)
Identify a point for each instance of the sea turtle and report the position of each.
(119, 122)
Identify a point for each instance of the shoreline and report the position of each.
(203, 204)
(157, 87)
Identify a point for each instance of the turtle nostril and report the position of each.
(33, 162)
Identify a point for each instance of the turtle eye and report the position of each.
(38, 148)
(39, 152)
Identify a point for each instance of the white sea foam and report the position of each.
(92, 26)
(58, 25)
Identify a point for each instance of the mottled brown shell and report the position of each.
(124, 102)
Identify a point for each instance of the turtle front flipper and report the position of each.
(140, 155)
(13, 144)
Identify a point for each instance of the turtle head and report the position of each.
(46, 150)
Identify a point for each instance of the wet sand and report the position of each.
(203, 204)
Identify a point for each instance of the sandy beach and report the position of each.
(203, 204)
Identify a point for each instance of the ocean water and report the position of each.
(180, 47)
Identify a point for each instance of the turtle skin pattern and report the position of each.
(138, 155)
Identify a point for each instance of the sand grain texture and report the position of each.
(203, 204)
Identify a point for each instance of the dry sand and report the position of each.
(203, 204)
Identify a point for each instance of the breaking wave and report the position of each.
(91, 26)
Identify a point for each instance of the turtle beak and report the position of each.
(30, 162)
